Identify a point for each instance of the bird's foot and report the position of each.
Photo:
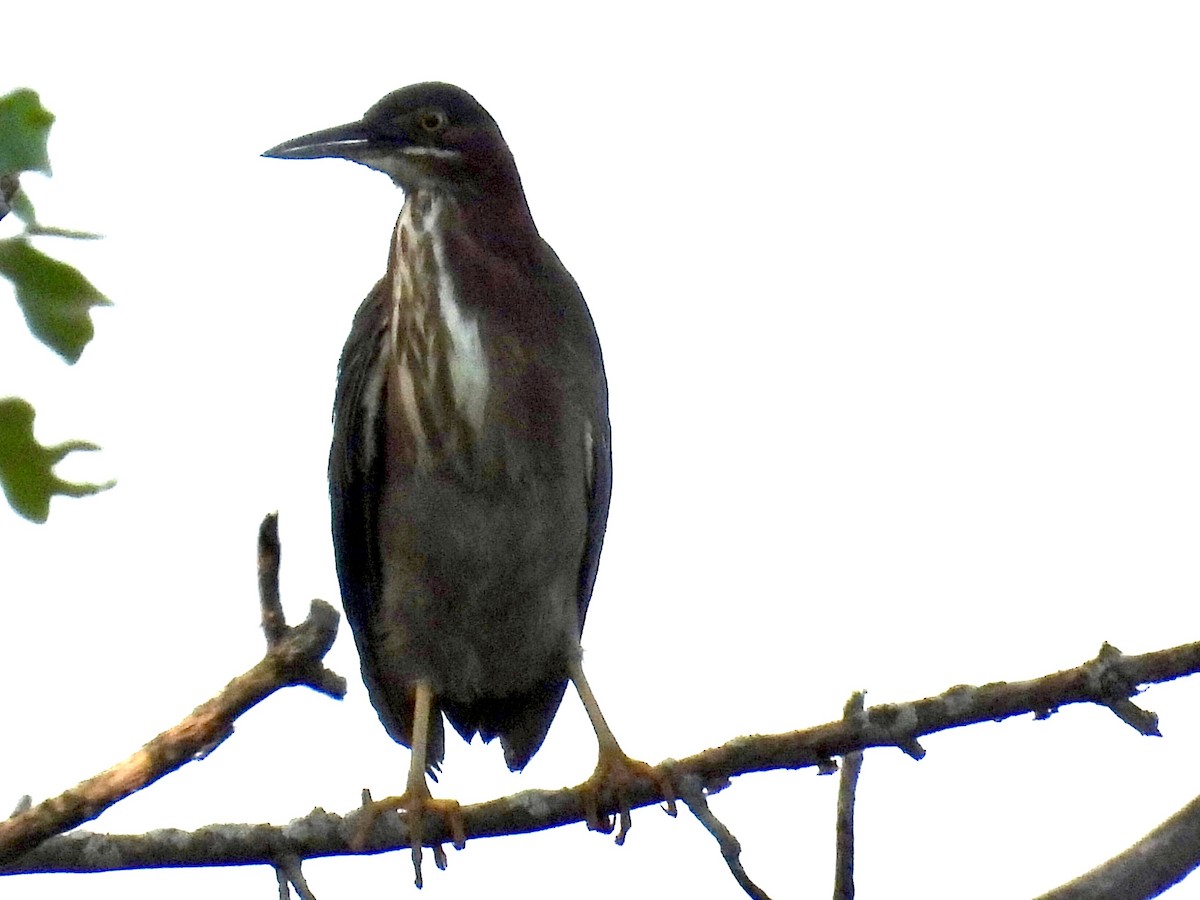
(618, 774)
(417, 804)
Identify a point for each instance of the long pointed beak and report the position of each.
(341, 141)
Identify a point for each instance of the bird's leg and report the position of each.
(416, 799)
(615, 769)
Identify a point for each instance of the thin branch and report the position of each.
(294, 659)
(843, 873)
(691, 792)
(289, 875)
(1099, 681)
(1162, 858)
(1110, 679)
(269, 555)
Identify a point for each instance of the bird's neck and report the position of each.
(441, 371)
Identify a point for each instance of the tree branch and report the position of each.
(1162, 858)
(843, 870)
(1109, 680)
(293, 658)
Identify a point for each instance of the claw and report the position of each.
(416, 803)
(618, 773)
(614, 770)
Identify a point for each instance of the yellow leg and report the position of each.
(423, 706)
(604, 736)
(614, 769)
(416, 799)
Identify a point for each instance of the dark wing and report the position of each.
(590, 389)
(599, 495)
(356, 478)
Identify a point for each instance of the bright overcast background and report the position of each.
(899, 304)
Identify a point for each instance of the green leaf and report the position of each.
(24, 127)
(25, 465)
(56, 299)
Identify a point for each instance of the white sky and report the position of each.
(899, 307)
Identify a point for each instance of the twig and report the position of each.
(691, 792)
(269, 555)
(295, 658)
(289, 874)
(1110, 681)
(843, 875)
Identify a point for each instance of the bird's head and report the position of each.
(429, 135)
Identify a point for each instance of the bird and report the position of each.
(470, 470)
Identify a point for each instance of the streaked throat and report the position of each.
(440, 369)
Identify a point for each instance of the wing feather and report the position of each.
(355, 481)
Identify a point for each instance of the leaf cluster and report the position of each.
(56, 300)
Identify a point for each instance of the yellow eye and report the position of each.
(432, 120)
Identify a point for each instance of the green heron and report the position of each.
(470, 470)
